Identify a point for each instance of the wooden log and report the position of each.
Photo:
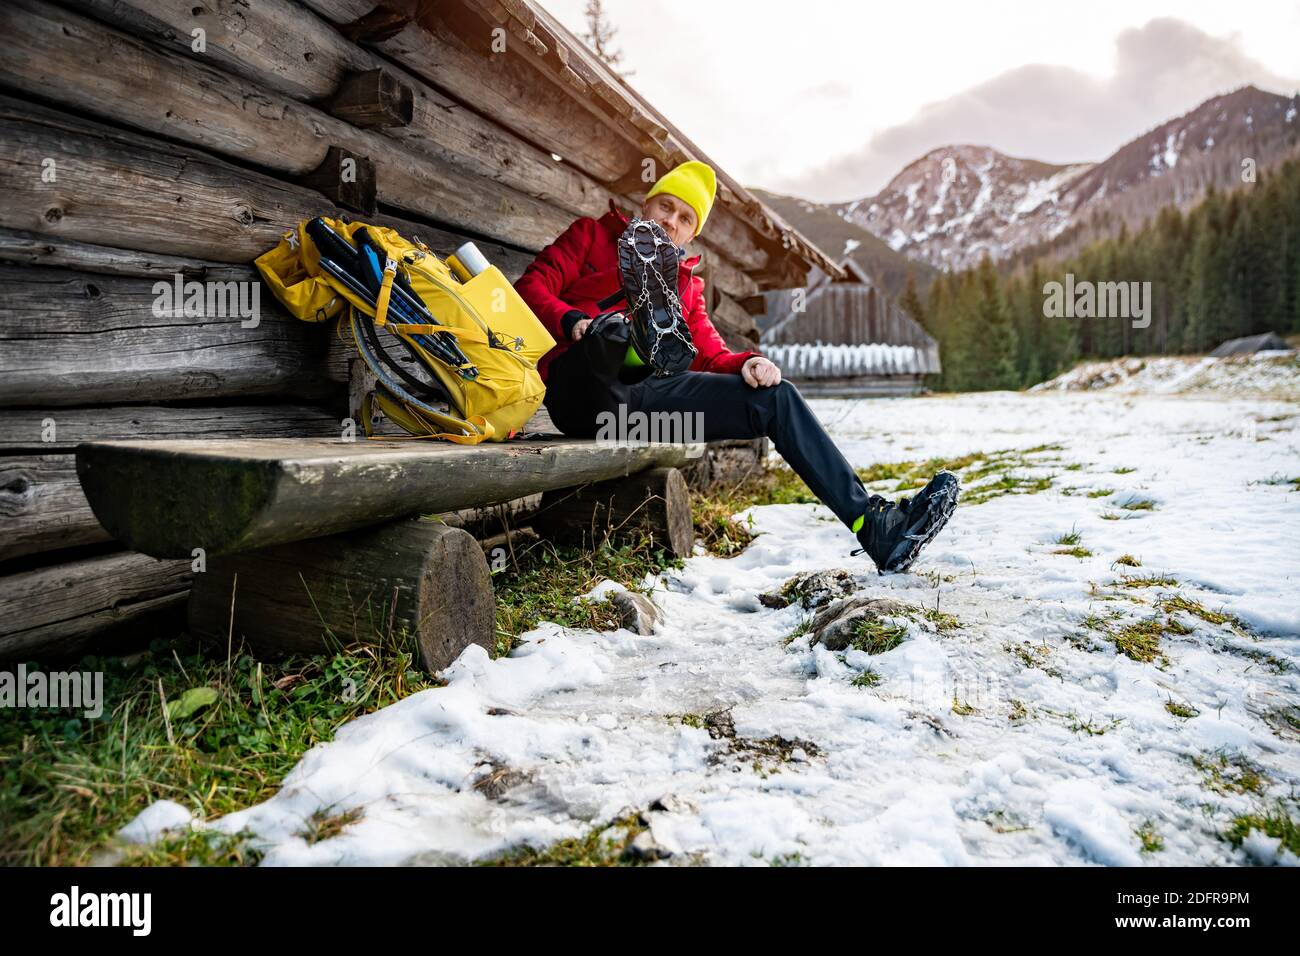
(166, 498)
(27, 248)
(287, 49)
(373, 99)
(116, 188)
(345, 179)
(66, 337)
(56, 611)
(497, 85)
(415, 583)
(84, 64)
(46, 430)
(654, 502)
(736, 325)
(42, 506)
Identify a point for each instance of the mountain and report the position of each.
(837, 237)
(957, 203)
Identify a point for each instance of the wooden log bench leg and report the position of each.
(411, 580)
(654, 501)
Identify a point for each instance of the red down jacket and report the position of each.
(580, 268)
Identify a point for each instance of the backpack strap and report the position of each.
(611, 300)
(385, 292)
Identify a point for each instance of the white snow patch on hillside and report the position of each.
(1068, 748)
(1267, 374)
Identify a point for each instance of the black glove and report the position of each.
(569, 320)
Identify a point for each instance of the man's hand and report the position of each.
(760, 371)
(579, 328)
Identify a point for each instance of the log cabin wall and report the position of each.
(149, 143)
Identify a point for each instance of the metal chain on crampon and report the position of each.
(670, 294)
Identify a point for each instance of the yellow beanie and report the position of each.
(694, 183)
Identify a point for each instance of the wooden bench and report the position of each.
(297, 545)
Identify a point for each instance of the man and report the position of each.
(741, 394)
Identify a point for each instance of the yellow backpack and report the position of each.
(471, 348)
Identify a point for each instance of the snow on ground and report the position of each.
(1020, 738)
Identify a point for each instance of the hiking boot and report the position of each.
(893, 535)
(648, 262)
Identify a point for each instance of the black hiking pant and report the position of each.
(578, 390)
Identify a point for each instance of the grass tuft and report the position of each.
(875, 636)
(1138, 504)
(868, 678)
(1151, 841)
(1277, 823)
(1227, 773)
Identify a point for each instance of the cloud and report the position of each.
(1055, 113)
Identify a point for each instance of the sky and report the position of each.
(829, 100)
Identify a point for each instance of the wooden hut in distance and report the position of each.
(842, 336)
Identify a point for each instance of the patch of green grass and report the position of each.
(1128, 561)
(1277, 823)
(1284, 721)
(1123, 471)
(191, 848)
(1186, 711)
(943, 621)
(1101, 492)
(712, 509)
(1073, 536)
(1075, 552)
(1033, 655)
(875, 636)
(1196, 608)
(1138, 504)
(1110, 516)
(1145, 581)
(972, 470)
(1018, 711)
(802, 628)
(1227, 773)
(542, 581)
(1077, 466)
(67, 784)
(962, 709)
(1275, 664)
(1007, 484)
(603, 845)
(1151, 841)
(868, 678)
(1140, 640)
(323, 825)
(1090, 728)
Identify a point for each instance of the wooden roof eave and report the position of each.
(568, 58)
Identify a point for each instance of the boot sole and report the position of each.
(635, 247)
(940, 504)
